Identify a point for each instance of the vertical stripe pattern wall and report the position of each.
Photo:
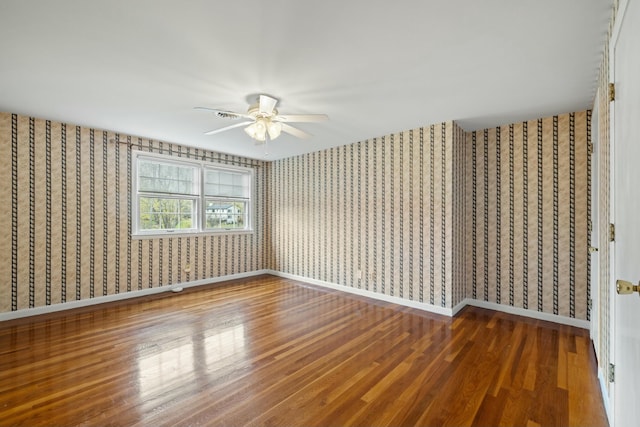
(67, 188)
(390, 215)
(458, 251)
(531, 241)
(390, 191)
(527, 249)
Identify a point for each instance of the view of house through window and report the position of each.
(225, 215)
(176, 195)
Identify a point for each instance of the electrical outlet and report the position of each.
(187, 268)
(359, 274)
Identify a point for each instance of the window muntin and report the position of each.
(181, 196)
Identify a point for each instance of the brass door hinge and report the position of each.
(612, 233)
(612, 92)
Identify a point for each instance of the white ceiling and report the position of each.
(374, 66)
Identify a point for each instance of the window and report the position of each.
(181, 196)
(226, 197)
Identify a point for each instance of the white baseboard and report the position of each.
(122, 296)
(584, 324)
(440, 310)
(363, 292)
(462, 304)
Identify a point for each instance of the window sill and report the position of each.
(168, 235)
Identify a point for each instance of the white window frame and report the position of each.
(200, 199)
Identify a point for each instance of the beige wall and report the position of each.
(400, 209)
(393, 215)
(527, 212)
(65, 198)
(377, 215)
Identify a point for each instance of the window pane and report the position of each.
(237, 191)
(226, 178)
(154, 176)
(225, 214)
(166, 214)
(226, 183)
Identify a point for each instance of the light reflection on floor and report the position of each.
(173, 367)
(228, 342)
(160, 371)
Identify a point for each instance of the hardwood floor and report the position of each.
(272, 351)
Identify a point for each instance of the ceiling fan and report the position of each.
(263, 120)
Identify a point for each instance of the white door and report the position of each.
(626, 213)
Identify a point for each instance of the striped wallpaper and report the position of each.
(65, 190)
(433, 215)
(380, 215)
(437, 215)
(528, 206)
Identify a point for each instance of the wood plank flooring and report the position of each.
(272, 351)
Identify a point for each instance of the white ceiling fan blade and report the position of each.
(295, 131)
(237, 125)
(267, 104)
(300, 118)
(223, 113)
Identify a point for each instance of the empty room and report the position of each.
(338, 213)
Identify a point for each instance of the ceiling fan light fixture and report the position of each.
(257, 130)
(261, 130)
(251, 130)
(274, 129)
